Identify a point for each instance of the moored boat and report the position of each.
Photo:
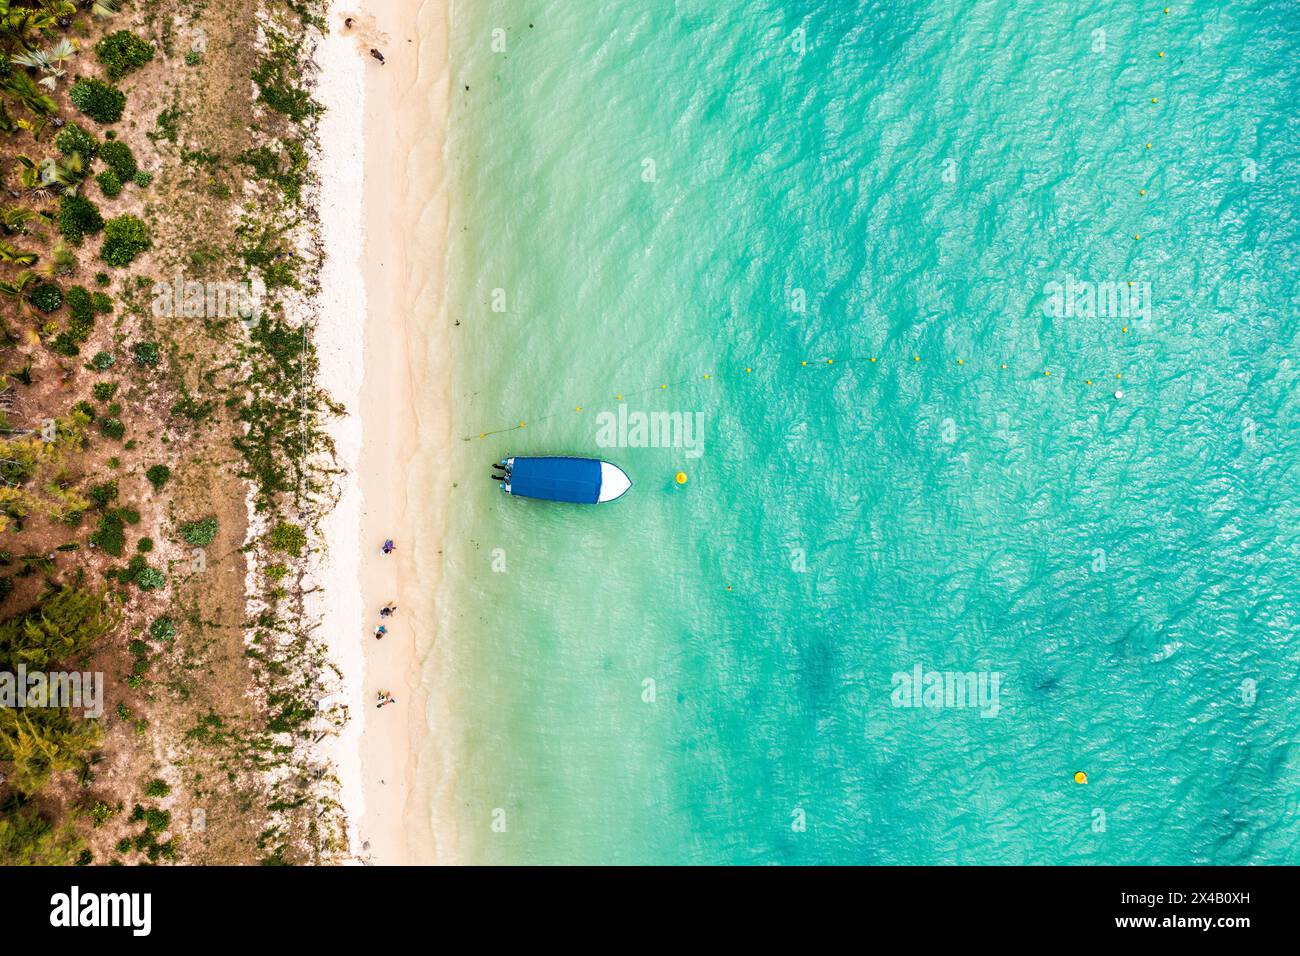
(586, 481)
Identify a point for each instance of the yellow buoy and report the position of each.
(1148, 145)
(1080, 777)
(1160, 55)
(830, 361)
(873, 358)
(681, 478)
(748, 370)
(1141, 192)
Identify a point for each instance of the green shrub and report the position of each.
(276, 90)
(118, 157)
(144, 545)
(158, 475)
(199, 533)
(125, 237)
(101, 813)
(103, 391)
(163, 629)
(111, 535)
(46, 296)
(101, 101)
(122, 51)
(73, 138)
(112, 428)
(157, 788)
(142, 179)
(288, 538)
(81, 310)
(150, 579)
(109, 184)
(103, 361)
(65, 344)
(78, 218)
(156, 821)
(101, 303)
(102, 495)
(102, 278)
(145, 354)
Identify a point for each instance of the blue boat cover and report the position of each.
(557, 479)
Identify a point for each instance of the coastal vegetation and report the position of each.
(134, 147)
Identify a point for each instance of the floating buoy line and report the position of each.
(871, 360)
(832, 363)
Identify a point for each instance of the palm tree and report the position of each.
(29, 177)
(18, 288)
(29, 94)
(14, 219)
(13, 256)
(62, 261)
(49, 61)
(18, 23)
(104, 8)
(65, 173)
(52, 175)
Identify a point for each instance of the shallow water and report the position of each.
(707, 195)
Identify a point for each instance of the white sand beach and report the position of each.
(383, 344)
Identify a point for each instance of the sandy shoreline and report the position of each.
(383, 343)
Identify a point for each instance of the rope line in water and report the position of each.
(822, 364)
(806, 363)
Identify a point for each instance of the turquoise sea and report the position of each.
(708, 194)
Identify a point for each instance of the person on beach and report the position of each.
(380, 631)
(377, 55)
(385, 698)
(387, 609)
(389, 546)
(347, 24)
